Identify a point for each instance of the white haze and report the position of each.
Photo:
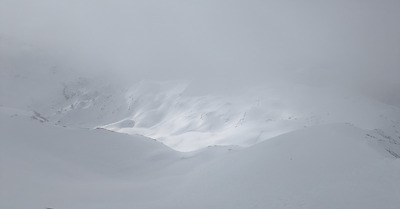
(94, 113)
(352, 43)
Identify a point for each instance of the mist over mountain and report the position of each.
(199, 104)
(343, 43)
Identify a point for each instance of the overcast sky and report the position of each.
(346, 42)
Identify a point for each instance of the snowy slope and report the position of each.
(164, 111)
(185, 122)
(83, 141)
(32, 79)
(47, 166)
(331, 166)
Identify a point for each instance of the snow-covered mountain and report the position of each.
(325, 166)
(167, 112)
(88, 141)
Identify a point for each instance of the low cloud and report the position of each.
(217, 44)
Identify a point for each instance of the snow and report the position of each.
(328, 166)
(321, 167)
(89, 142)
(162, 111)
(168, 112)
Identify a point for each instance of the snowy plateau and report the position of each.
(70, 141)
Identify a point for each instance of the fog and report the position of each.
(220, 44)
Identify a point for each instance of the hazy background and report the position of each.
(220, 44)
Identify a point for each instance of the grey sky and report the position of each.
(348, 42)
